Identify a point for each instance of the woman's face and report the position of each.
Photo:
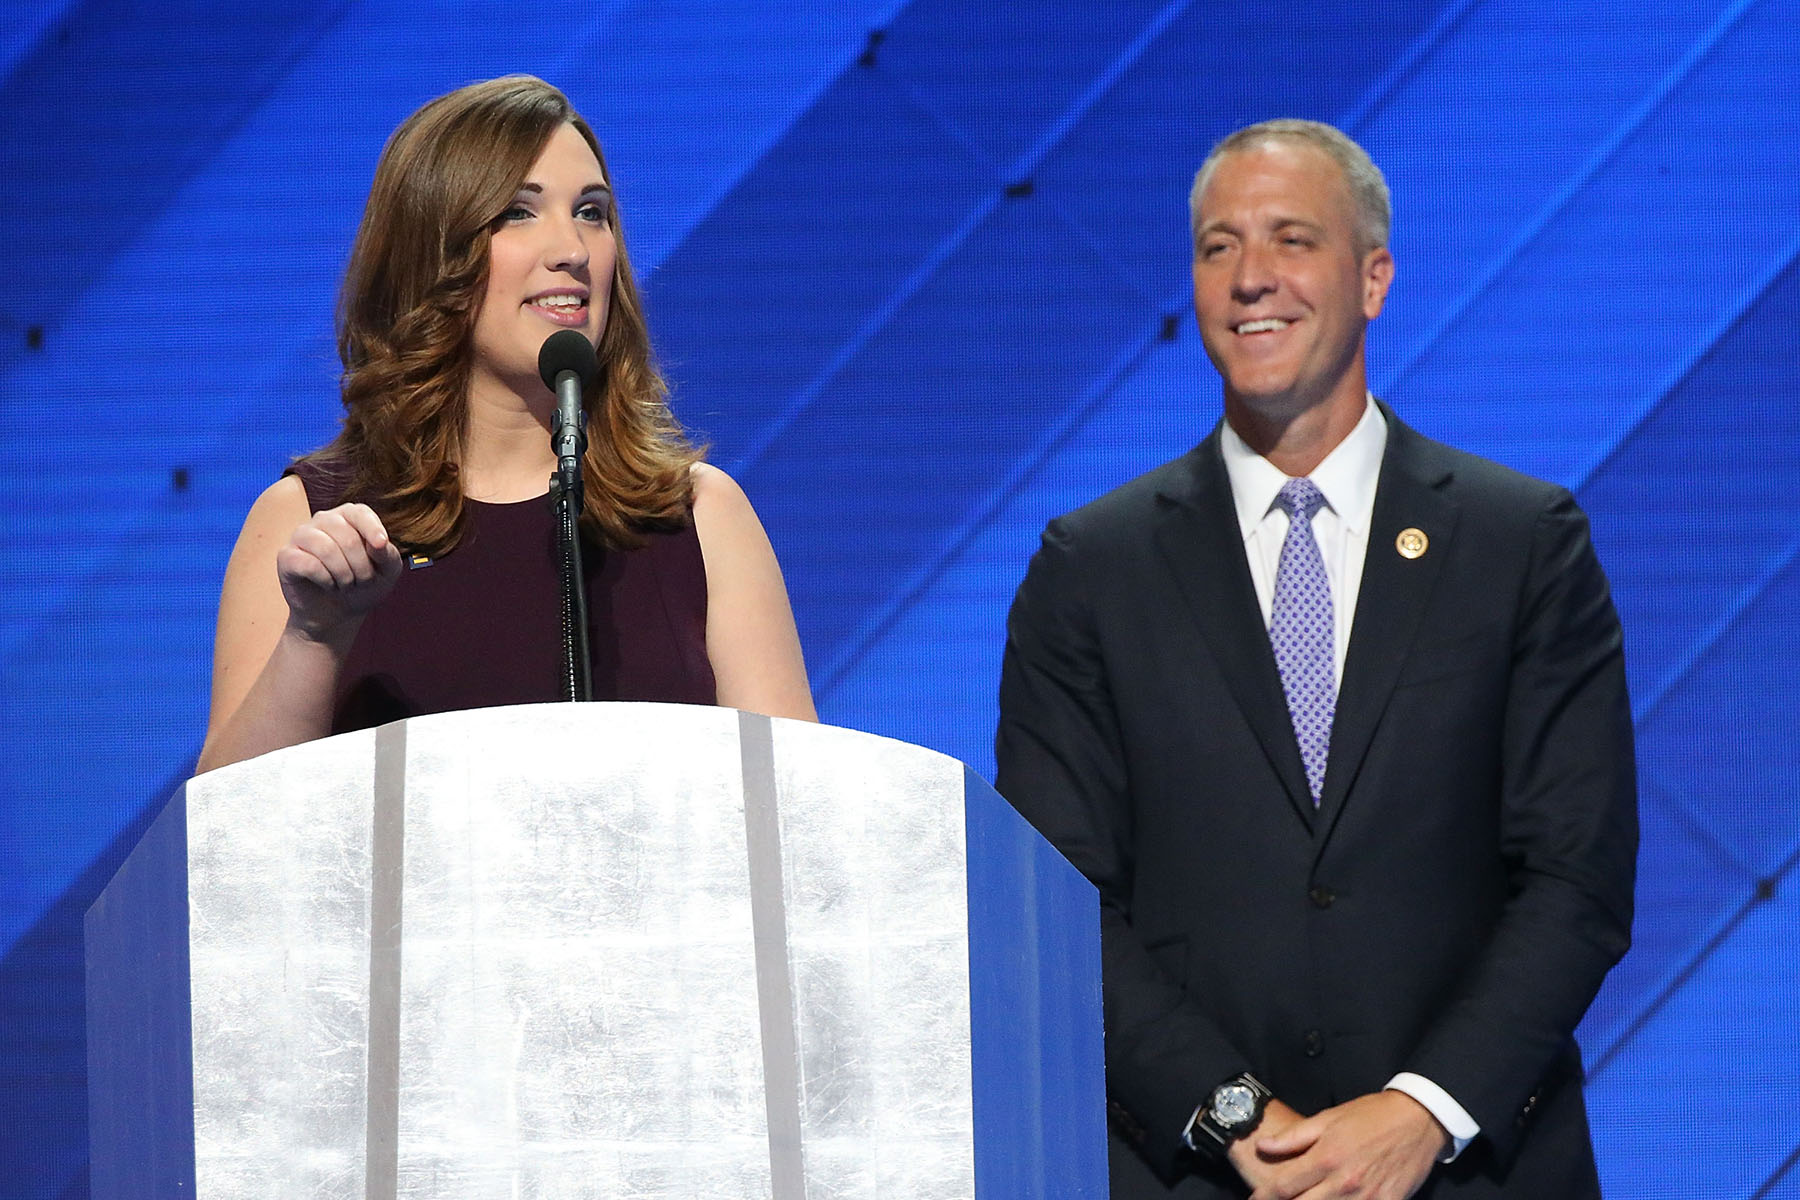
(550, 266)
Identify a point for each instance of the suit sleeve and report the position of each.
(1061, 764)
(1569, 836)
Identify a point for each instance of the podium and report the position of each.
(722, 956)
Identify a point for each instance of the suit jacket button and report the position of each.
(1322, 897)
(1315, 1043)
(1531, 1102)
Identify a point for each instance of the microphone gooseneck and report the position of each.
(566, 364)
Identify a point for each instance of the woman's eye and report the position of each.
(516, 213)
(593, 212)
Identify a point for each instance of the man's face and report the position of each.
(1281, 291)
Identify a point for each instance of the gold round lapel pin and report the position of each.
(1412, 543)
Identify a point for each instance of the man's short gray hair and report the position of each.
(1368, 190)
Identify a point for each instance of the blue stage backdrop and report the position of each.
(918, 271)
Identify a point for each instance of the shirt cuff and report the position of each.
(1452, 1116)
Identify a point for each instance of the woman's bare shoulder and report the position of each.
(714, 488)
(282, 507)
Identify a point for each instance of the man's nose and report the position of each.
(1255, 274)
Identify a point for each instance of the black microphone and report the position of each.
(566, 364)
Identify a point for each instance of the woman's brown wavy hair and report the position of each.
(411, 294)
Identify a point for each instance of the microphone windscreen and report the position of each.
(566, 350)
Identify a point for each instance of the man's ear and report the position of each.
(1378, 276)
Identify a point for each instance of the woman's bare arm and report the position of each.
(295, 593)
(750, 635)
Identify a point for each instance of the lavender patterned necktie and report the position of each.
(1300, 631)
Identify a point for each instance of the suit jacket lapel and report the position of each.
(1391, 602)
(1198, 536)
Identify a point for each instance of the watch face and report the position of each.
(1233, 1104)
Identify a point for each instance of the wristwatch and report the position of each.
(1232, 1112)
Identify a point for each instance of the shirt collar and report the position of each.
(1346, 478)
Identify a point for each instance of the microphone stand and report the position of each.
(568, 436)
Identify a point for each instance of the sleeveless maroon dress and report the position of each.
(482, 625)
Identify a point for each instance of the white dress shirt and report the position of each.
(1347, 479)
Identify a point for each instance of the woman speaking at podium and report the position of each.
(411, 565)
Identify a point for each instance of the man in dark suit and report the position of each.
(1334, 716)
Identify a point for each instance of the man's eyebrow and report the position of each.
(1230, 228)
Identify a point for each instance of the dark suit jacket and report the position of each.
(1466, 882)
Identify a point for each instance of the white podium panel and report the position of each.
(568, 951)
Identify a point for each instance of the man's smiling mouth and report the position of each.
(1266, 325)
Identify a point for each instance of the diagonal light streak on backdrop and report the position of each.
(1407, 64)
(1644, 709)
(873, 628)
(721, 192)
(1691, 967)
(1704, 346)
(46, 19)
(1653, 992)
(1782, 1172)
(324, 21)
(1533, 228)
(1018, 172)
(940, 254)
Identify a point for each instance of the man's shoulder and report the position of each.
(1196, 479)
(1128, 507)
(1469, 478)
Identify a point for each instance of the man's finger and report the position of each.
(1295, 1139)
(1288, 1185)
(1300, 1177)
